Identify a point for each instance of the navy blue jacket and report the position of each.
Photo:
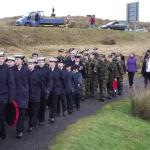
(77, 83)
(35, 85)
(69, 83)
(22, 86)
(46, 81)
(7, 84)
(59, 84)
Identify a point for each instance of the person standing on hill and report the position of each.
(131, 68)
(92, 22)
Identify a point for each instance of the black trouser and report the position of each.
(21, 119)
(2, 120)
(76, 98)
(69, 103)
(42, 108)
(131, 77)
(33, 113)
(61, 100)
(52, 102)
(110, 88)
(146, 78)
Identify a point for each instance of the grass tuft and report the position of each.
(112, 128)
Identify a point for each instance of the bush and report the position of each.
(141, 103)
(109, 41)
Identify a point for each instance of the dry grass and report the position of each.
(141, 103)
(46, 40)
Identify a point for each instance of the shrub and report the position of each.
(109, 41)
(141, 103)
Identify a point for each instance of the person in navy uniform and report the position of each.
(61, 99)
(52, 100)
(10, 61)
(7, 90)
(21, 76)
(35, 93)
(69, 88)
(77, 86)
(45, 81)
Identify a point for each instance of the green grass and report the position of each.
(112, 128)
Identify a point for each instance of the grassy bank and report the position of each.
(112, 128)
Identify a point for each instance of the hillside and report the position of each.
(46, 40)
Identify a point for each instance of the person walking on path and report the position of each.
(146, 70)
(131, 68)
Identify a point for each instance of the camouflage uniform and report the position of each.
(90, 71)
(112, 74)
(102, 74)
(119, 75)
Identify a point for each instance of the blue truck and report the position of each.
(35, 19)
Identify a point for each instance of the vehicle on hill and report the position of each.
(37, 18)
(115, 25)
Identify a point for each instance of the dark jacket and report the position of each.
(77, 83)
(7, 84)
(143, 71)
(35, 86)
(131, 64)
(45, 80)
(59, 84)
(69, 82)
(22, 86)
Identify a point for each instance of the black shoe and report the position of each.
(102, 99)
(70, 112)
(110, 97)
(51, 120)
(41, 124)
(120, 93)
(2, 137)
(19, 135)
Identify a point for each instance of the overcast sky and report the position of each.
(106, 9)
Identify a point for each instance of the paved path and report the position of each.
(40, 138)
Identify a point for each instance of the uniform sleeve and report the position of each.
(11, 85)
(50, 81)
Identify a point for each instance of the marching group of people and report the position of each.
(59, 84)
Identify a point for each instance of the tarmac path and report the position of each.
(42, 136)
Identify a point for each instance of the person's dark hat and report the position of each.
(2, 53)
(12, 113)
(75, 67)
(21, 56)
(35, 54)
(77, 56)
(60, 61)
(148, 51)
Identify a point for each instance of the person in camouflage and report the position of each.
(102, 74)
(112, 70)
(90, 71)
(120, 66)
(85, 61)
